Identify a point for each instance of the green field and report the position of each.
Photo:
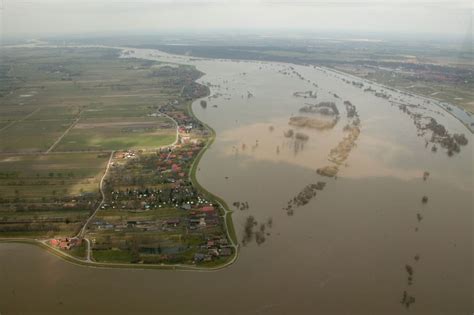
(70, 114)
(32, 136)
(45, 90)
(118, 133)
(44, 194)
(55, 105)
(34, 177)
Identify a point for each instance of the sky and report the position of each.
(49, 17)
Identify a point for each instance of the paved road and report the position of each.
(101, 188)
(89, 262)
(84, 227)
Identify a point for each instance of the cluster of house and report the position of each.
(184, 132)
(66, 243)
(129, 154)
(179, 116)
(206, 216)
(170, 165)
(213, 248)
(185, 129)
(198, 218)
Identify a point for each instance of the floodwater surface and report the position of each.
(368, 242)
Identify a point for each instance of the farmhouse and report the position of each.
(66, 243)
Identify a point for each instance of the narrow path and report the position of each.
(64, 133)
(177, 135)
(177, 130)
(19, 120)
(101, 188)
(84, 227)
(88, 250)
(87, 261)
(8, 125)
(55, 152)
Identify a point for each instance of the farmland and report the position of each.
(100, 147)
(75, 93)
(57, 104)
(48, 194)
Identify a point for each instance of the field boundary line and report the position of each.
(74, 123)
(21, 119)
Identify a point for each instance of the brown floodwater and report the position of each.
(345, 252)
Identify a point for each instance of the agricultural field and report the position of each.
(118, 133)
(87, 134)
(47, 194)
(62, 112)
(32, 136)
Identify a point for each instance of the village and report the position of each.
(152, 212)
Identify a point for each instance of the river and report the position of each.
(345, 252)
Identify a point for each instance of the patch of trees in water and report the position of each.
(380, 93)
(255, 231)
(289, 133)
(339, 154)
(312, 123)
(241, 205)
(303, 197)
(328, 171)
(354, 83)
(407, 299)
(452, 143)
(323, 108)
(351, 110)
(301, 136)
(305, 94)
(299, 140)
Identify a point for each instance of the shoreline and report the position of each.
(227, 214)
(83, 263)
(438, 102)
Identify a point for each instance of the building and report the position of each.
(66, 243)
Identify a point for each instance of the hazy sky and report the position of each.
(41, 17)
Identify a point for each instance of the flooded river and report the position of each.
(367, 243)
